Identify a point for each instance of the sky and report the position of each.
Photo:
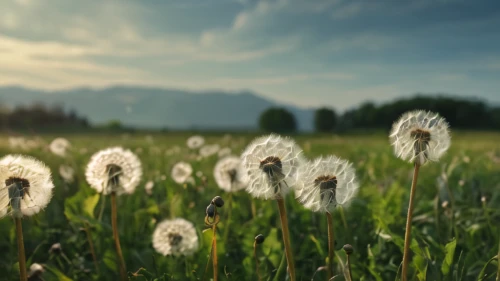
(308, 53)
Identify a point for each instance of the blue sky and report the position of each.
(309, 53)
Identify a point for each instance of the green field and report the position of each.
(455, 235)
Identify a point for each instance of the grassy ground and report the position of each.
(456, 226)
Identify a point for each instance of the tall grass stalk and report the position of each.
(20, 250)
(286, 238)
(406, 251)
(116, 237)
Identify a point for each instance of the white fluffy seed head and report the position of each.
(59, 146)
(67, 173)
(195, 142)
(181, 172)
(325, 183)
(209, 150)
(271, 164)
(25, 186)
(229, 174)
(114, 170)
(175, 237)
(420, 136)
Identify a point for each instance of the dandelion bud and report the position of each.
(217, 201)
(348, 249)
(210, 210)
(259, 239)
(55, 249)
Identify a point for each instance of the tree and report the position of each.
(277, 120)
(325, 119)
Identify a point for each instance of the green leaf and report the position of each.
(450, 253)
(56, 272)
(89, 205)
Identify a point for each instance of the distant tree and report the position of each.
(325, 119)
(277, 120)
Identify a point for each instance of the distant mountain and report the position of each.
(158, 108)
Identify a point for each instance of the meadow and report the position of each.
(456, 223)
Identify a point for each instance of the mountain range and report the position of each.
(144, 107)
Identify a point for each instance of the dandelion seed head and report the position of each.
(114, 170)
(35, 270)
(195, 142)
(181, 172)
(59, 146)
(325, 183)
(209, 150)
(149, 187)
(420, 136)
(175, 237)
(223, 152)
(271, 163)
(229, 174)
(25, 186)
(67, 173)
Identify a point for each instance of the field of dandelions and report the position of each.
(166, 212)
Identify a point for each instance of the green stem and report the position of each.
(409, 217)
(452, 209)
(116, 237)
(331, 245)
(349, 267)
(214, 253)
(91, 245)
(286, 238)
(256, 260)
(20, 250)
(498, 257)
(228, 220)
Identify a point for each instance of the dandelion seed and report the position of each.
(271, 163)
(229, 175)
(26, 186)
(420, 136)
(60, 146)
(325, 183)
(67, 173)
(175, 237)
(195, 142)
(181, 172)
(114, 170)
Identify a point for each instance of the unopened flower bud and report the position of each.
(348, 249)
(259, 239)
(210, 210)
(217, 201)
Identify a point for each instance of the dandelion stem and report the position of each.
(214, 252)
(406, 251)
(331, 245)
(116, 238)
(286, 238)
(20, 250)
(349, 267)
(91, 245)
(228, 220)
(256, 260)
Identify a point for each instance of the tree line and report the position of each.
(39, 117)
(459, 112)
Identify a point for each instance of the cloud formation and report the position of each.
(335, 52)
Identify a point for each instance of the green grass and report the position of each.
(458, 243)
